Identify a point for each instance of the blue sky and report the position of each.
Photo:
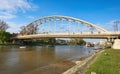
(21, 12)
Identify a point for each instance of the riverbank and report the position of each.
(107, 63)
(82, 65)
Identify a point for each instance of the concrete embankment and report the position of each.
(116, 44)
(81, 66)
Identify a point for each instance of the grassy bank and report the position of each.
(107, 63)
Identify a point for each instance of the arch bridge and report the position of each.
(64, 27)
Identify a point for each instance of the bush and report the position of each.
(4, 36)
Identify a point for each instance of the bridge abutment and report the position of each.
(109, 42)
(116, 44)
(18, 42)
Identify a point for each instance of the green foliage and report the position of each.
(77, 41)
(107, 46)
(50, 41)
(4, 36)
(106, 64)
(72, 42)
(81, 42)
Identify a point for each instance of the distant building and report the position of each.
(102, 43)
(96, 43)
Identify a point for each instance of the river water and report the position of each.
(40, 59)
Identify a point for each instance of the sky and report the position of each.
(21, 12)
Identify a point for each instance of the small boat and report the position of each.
(22, 47)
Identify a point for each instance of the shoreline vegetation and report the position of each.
(43, 43)
(107, 63)
(81, 65)
(10, 44)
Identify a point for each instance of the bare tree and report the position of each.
(3, 25)
(23, 30)
(29, 29)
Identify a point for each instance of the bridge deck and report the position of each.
(72, 35)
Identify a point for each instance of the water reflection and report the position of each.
(14, 60)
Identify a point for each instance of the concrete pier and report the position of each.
(116, 44)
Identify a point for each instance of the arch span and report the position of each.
(46, 19)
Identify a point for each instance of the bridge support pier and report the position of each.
(109, 42)
(19, 42)
(116, 44)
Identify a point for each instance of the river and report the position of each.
(40, 59)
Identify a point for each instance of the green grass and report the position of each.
(106, 64)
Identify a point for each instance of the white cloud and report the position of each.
(109, 25)
(6, 15)
(10, 7)
(14, 5)
(31, 17)
(14, 27)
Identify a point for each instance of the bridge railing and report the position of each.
(74, 33)
(114, 32)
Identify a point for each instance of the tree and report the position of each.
(23, 30)
(81, 42)
(3, 25)
(76, 41)
(4, 36)
(50, 41)
(29, 29)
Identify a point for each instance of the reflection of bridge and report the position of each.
(66, 27)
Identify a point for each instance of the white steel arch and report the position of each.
(46, 19)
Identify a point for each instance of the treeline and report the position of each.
(76, 41)
(42, 41)
(29, 29)
(3, 25)
(53, 41)
(4, 36)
